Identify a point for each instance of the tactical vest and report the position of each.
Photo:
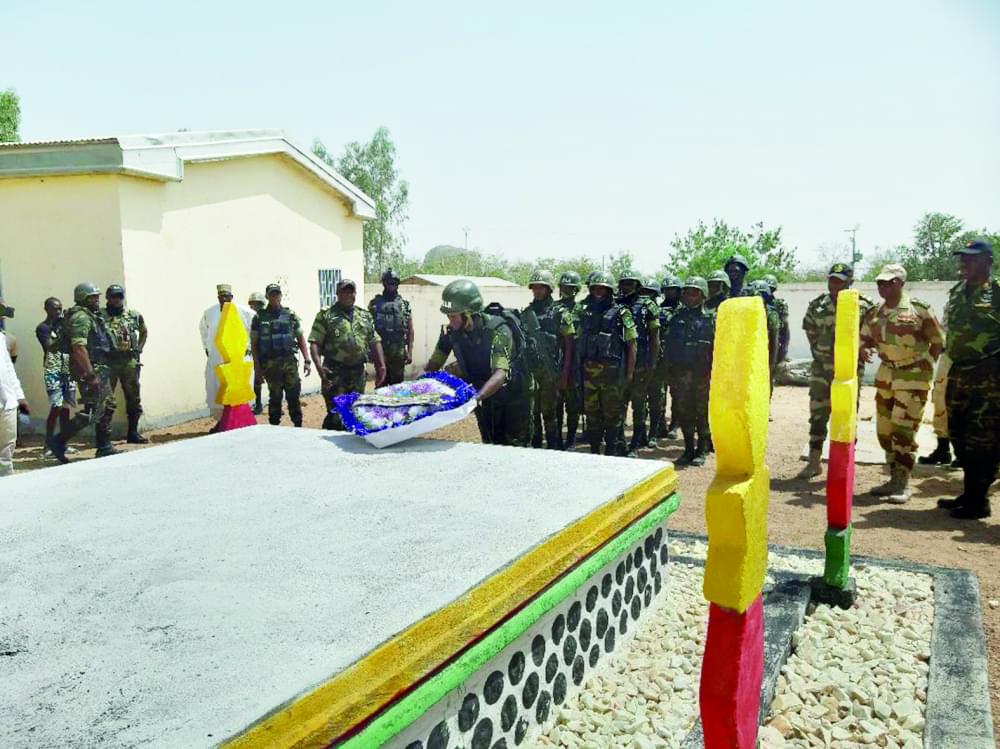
(124, 331)
(99, 346)
(643, 352)
(690, 339)
(472, 349)
(276, 338)
(543, 330)
(390, 319)
(666, 314)
(602, 337)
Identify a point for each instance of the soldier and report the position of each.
(257, 302)
(973, 394)
(342, 339)
(736, 268)
(570, 397)
(607, 362)
(718, 290)
(274, 334)
(55, 370)
(128, 339)
(819, 325)
(394, 324)
(689, 351)
(781, 306)
(489, 352)
(86, 334)
(550, 328)
(645, 382)
(909, 340)
(763, 290)
(671, 304)
(942, 452)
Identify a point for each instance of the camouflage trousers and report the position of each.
(343, 379)
(571, 404)
(899, 407)
(938, 404)
(97, 408)
(667, 387)
(973, 399)
(639, 397)
(691, 389)
(820, 381)
(506, 418)
(545, 410)
(604, 403)
(395, 365)
(282, 378)
(125, 372)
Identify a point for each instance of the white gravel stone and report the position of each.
(856, 677)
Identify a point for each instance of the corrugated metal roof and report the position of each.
(72, 142)
(428, 279)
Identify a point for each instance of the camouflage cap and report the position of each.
(697, 282)
(223, 288)
(890, 272)
(257, 297)
(975, 247)
(842, 271)
(720, 276)
(345, 282)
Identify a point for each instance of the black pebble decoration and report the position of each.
(515, 669)
(647, 597)
(629, 589)
(530, 690)
(483, 734)
(623, 623)
(664, 554)
(578, 670)
(606, 583)
(637, 557)
(616, 603)
(641, 578)
(551, 668)
(636, 608)
(609, 640)
(494, 687)
(521, 731)
(592, 598)
(538, 650)
(542, 708)
(569, 649)
(657, 583)
(585, 629)
(500, 744)
(468, 713)
(595, 654)
(602, 622)
(415, 745)
(573, 618)
(620, 573)
(559, 689)
(508, 714)
(439, 737)
(558, 628)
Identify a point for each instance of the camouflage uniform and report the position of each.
(819, 325)
(506, 417)
(605, 329)
(973, 394)
(86, 327)
(784, 331)
(571, 398)
(938, 393)
(344, 336)
(127, 329)
(903, 336)
(549, 324)
(663, 376)
(392, 319)
(276, 332)
(690, 338)
(646, 317)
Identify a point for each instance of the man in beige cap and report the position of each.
(208, 328)
(908, 339)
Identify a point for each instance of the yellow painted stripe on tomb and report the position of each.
(333, 708)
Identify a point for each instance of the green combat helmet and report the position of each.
(772, 281)
(570, 278)
(461, 296)
(762, 287)
(670, 282)
(83, 290)
(737, 260)
(720, 276)
(601, 278)
(590, 277)
(541, 277)
(651, 284)
(114, 290)
(697, 282)
(631, 275)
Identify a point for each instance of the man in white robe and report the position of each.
(209, 327)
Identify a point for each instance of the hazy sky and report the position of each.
(564, 128)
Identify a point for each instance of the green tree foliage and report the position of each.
(10, 117)
(880, 258)
(371, 167)
(935, 237)
(705, 249)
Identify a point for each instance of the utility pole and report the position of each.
(854, 245)
(465, 231)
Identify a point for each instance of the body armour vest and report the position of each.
(276, 339)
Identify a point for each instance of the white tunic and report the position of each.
(209, 327)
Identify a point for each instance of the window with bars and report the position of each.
(328, 278)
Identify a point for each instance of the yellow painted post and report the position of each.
(234, 373)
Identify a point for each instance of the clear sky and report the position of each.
(553, 129)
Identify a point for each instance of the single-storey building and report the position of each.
(169, 217)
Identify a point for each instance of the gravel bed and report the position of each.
(857, 678)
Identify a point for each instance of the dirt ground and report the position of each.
(797, 515)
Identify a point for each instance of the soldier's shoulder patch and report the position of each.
(919, 303)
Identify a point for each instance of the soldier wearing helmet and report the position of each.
(670, 287)
(607, 362)
(736, 268)
(719, 286)
(488, 344)
(781, 307)
(646, 316)
(128, 339)
(89, 347)
(275, 334)
(550, 328)
(394, 324)
(341, 340)
(257, 302)
(570, 396)
(762, 289)
(689, 350)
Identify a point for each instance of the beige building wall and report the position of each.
(247, 222)
(54, 233)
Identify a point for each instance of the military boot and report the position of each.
(891, 486)
(553, 439)
(613, 442)
(134, 438)
(57, 446)
(698, 459)
(671, 431)
(951, 504)
(709, 445)
(688, 455)
(901, 492)
(814, 467)
(979, 510)
(103, 440)
(941, 455)
(976, 505)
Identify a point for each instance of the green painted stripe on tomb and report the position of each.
(400, 715)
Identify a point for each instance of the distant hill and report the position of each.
(442, 253)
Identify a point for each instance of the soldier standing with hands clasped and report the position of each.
(128, 339)
(394, 325)
(275, 333)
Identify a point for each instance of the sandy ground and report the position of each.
(917, 530)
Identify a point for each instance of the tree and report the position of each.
(935, 237)
(10, 117)
(621, 263)
(371, 167)
(880, 258)
(704, 250)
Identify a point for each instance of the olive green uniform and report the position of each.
(344, 337)
(690, 338)
(87, 327)
(571, 397)
(128, 329)
(276, 333)
(392, 317)
(646, 317)
(548, 324)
